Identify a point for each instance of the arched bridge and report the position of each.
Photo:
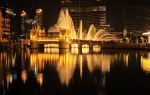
(65, 43)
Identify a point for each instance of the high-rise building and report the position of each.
(9, 19)
(39, 18)
(89, 11)
(27, 24)
(130, 15)
(23, 22)
(135, 18)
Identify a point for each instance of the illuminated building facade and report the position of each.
(4, 27)
(89, 11)
(28, 24)
(9, 20)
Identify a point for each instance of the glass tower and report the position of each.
(89, 11)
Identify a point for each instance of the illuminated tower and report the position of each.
(39, 18)
(23, 21)
(89, 11)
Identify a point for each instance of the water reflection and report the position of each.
(24, 76)
(26, 65)
(145, 62)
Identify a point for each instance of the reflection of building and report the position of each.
(90, 12)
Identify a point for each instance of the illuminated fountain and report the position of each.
(64, 25)
(66, 28)
(63, 34)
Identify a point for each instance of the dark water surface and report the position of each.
(70, 72)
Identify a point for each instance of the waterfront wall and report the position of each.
(64, 45)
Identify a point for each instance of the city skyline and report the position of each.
(51, 8)
(74, 47)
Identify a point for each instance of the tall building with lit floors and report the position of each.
(4, 28)
(39, 18)
(89, 11)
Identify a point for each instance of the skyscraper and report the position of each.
(39, 18)
(23, 20)
(130, 15)
(89, 11)
(136, 18)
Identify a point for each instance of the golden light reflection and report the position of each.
(66, 67)
(126, 58)
(85, 50)
(51, 45)
(24, 76)
(37, 60)
(8, 80)
(96, 49)
(67, 62)
(145, 64)
(74, 50)
(39, 79)
(90, 63)
(81, 65)
(33, 61)
(51, 50)
(101, 62)
(7, 61)
(74, 45)
(85, 46)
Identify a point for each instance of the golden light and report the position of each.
(38, 11)
(85, 50)
(23, 14)
(51, 50)
(66, 67)
(40, 79)
(24, 76)
(145, 64)
(96, 49)
(74, 50)
(8, 10)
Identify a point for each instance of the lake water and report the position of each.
(51, 71)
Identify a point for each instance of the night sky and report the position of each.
(51, 7)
